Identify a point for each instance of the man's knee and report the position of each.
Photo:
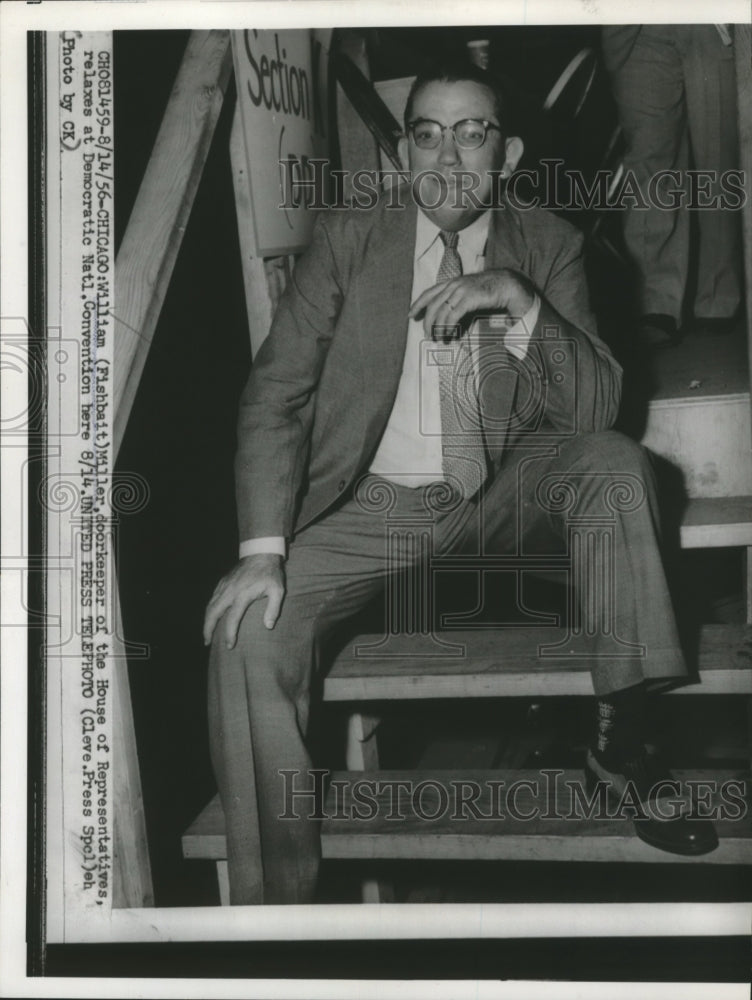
(252, 640)
(246, 634)
(605, 473)
(609, 452)
(276, 659)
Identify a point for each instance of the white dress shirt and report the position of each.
(410, 449)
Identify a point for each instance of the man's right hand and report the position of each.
(254, 576)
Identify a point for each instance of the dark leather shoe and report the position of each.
(640, 785)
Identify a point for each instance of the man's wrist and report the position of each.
(259, 557)
(270, 545)
(523, 300)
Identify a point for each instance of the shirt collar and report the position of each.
(472, 240)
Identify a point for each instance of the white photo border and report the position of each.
(268, 923)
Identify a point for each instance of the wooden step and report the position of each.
(703, 366)
(717, 522)
(699, 413)
(495, 663)
(556, 829)
(205, 837)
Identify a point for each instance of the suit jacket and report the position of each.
(323, 383)
(617, 42)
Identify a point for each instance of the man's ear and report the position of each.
(514, 148)
(403, 147)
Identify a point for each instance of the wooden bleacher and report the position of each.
(544, 829)
(698, 419)
(506, 663)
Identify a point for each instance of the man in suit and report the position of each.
(675, 92)
(351, 393)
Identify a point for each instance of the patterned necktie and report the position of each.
(462, 448)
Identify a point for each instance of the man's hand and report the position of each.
(254, 577)
(445, 305)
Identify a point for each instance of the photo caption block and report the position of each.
(78, 488)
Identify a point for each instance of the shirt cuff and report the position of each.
(517, 337)
(273, 545)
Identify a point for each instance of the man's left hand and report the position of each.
(446, 304)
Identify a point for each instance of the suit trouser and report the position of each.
(259, 692)
(676, 99)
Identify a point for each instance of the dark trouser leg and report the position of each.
(649, 94)
(259, 701)
(710, 87)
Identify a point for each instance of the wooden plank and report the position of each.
(223, 883)
(142, 274)
(421, 846)
(258, 300)
(132, 868)
(743, 56)
(382, 124)
(362, 755)
(507, 664)
(698, 416)
(264, 278)
(157, 224)
(541, 820)
(717, 522)
(394, 95)
(717, 511)
(718, 363)
(358, 150)
(205, 837)
(708, 438)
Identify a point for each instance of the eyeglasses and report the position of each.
(470, 133)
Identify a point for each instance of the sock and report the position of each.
(620, 725)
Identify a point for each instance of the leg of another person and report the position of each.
(710, 85)
(649, 93)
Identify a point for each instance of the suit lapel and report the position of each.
(385, 285)
(506, 244)
(499, 379)
(386, 280)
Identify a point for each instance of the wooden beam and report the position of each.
(361, 93)
(717, 522)
(132, 868)
(743, 54)
(258, 299)
(506, 664)
(157, 224)
(264, 278)
(549, 825)
(358, 149)
(542, 821)
(143, 270)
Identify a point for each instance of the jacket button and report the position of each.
(341, 485)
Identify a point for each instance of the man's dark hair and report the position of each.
(458, 70)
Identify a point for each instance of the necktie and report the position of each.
(463, 452)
